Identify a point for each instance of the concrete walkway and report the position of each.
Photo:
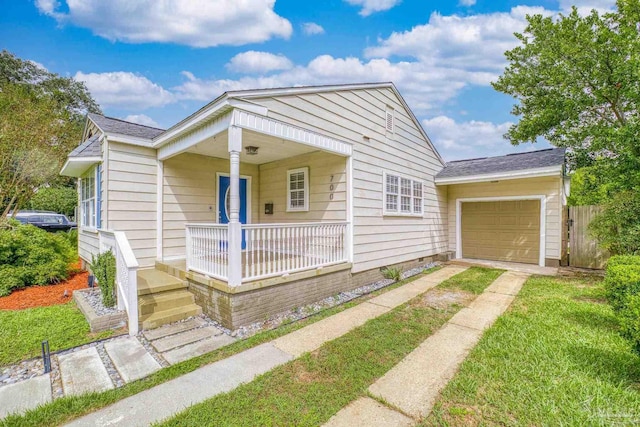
(412, 387)
(172, 397)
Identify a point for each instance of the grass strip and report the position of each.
(554, 359)
(65, 409)
(23, 331)
(312, 388)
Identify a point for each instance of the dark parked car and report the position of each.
(46, 220)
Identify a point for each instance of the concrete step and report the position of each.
(24, 395)
(83, 372)
(197, 348)
(187, 337)
(163, 317)
(131, 359)
(167, 330)
(155, 281)
(149, 303)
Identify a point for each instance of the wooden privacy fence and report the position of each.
(584, 251)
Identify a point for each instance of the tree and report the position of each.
(59, 199)
(577, 83)
(41, 120)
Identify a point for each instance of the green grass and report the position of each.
(22, 331)
(474, 280)
(554, 359)
(310, 389)
(67, 408)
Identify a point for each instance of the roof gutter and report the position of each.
(525, 173)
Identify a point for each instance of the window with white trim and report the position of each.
(402, 195)
(89, 199)
(298, 190)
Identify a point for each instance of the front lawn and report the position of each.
(554, 359)
(22, 331)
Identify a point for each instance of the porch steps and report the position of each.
(163, 299)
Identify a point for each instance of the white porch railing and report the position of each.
(208, 249)
(268, 249)
(126, 274)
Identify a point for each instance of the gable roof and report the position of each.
(89, 148)
(217, 106)
(113, 125)
(551, 158)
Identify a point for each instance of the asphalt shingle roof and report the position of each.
(109, 124)
(89, 148)
(508, 163)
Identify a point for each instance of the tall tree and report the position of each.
(41, 120)
(577, 83)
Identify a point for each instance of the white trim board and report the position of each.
(543, 219)
(525, 173)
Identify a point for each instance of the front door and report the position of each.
(224, 202)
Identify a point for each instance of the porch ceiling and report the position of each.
(269, 148)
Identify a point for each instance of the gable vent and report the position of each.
(389, 119)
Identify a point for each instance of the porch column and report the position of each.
(235, 228)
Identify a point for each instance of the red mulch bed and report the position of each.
(41, 296)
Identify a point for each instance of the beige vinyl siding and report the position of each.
(349, 116)
(551, 187)
(132, 198)
(325, 170)
(189, 195)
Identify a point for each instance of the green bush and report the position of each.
(617, 227)
(103, 267)
(31, 256)
(629, 319)
(58, 199)
(620, 282)
(622, 287)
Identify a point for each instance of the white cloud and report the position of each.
(473, 43)
(142, 119)
(372, 6)
(198, 23)
(125, 90)
(258, 62)
(311, 29)
(467, 3)
(472, 139)
(585, 6)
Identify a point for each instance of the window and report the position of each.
(389, 120)
(298, 190)
(90, 199)
(402, 195)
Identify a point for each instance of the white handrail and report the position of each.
(208, 249)
(126, 274)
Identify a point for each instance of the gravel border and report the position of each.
(94, 297)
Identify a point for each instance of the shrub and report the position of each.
(623, 260)
(629, 319)
(103, 267)
(617, 227)
(31, 256)
(393, 273)
(620, 282)
(58, 199)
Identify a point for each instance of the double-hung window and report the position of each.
(298, 190)
(90, 199)
(402, 195)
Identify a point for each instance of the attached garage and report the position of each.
(507, 208)
(505, 230)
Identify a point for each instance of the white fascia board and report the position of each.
(215, 108)
(127, 139)
(76, 166)
(260, 93)
(248, 106)
(525, 173)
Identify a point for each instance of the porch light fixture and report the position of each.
(251, 150)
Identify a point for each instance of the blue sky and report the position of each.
(156, 62)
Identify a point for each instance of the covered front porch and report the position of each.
(246, 198)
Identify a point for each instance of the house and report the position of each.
(264, 200)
